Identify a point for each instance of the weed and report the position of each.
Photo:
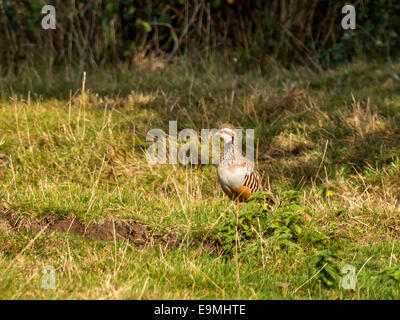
(324, 266)
(392, 273)
(282, 225)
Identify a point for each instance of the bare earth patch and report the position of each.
(111, 228)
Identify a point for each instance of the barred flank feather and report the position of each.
(252, 180)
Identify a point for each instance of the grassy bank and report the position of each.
(328, 144)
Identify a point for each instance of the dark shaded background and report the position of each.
(254, 32)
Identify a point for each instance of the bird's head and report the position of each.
(227, 132)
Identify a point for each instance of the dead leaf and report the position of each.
(283, 284)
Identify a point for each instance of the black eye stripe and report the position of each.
(227, 132)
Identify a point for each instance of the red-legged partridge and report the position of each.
(236, 174)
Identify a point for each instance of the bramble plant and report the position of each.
(281, 223)
(392, 273)
(323, 265)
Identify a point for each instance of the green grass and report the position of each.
(328, 144)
